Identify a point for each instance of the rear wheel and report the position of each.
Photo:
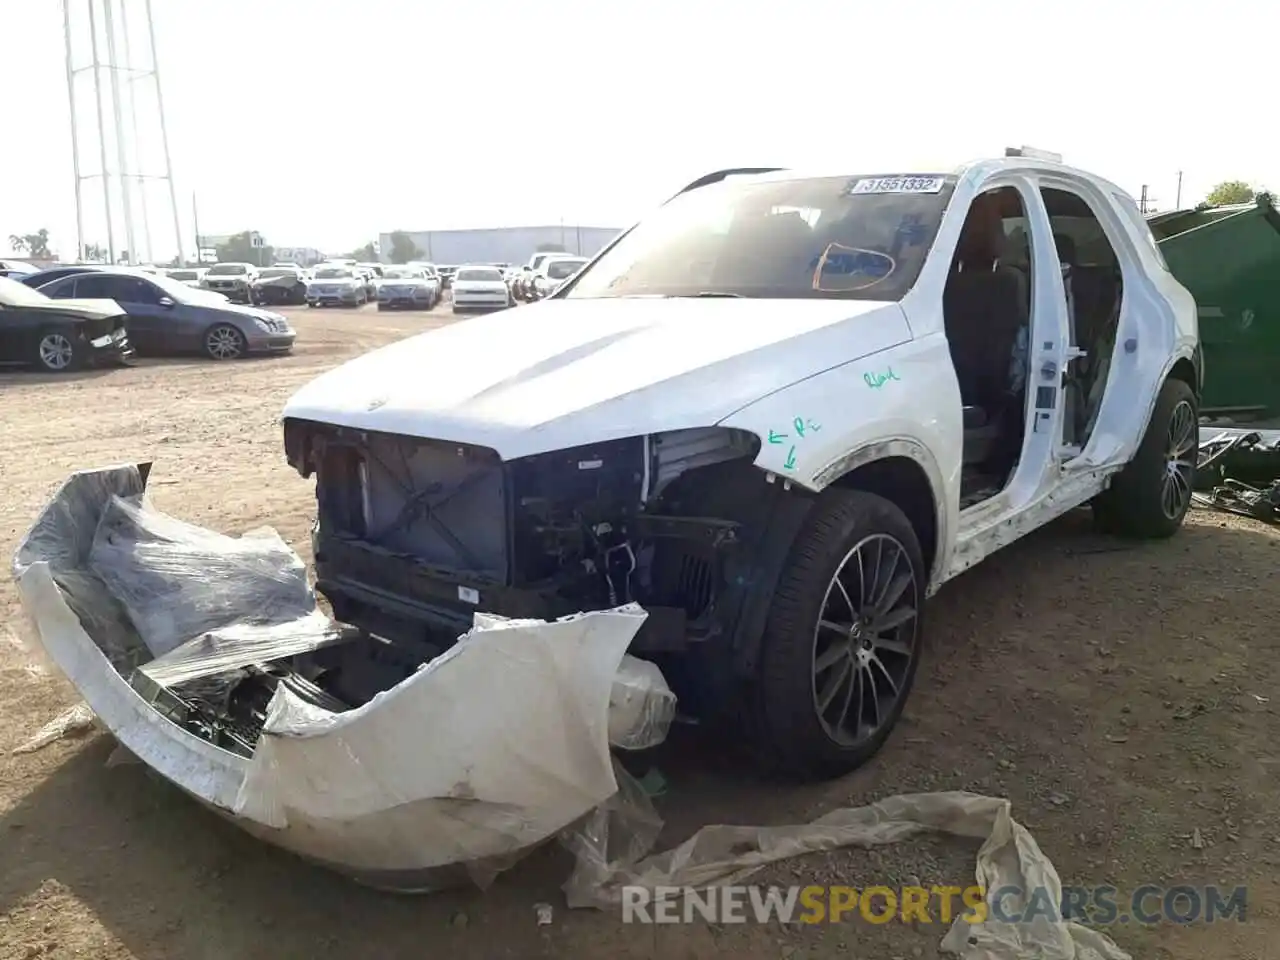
(842, 640)
(1150, 497)
(59, 350)
(225, 342)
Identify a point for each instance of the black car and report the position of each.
(166, 317)
(41, 277)
(279, 286)
(58, 337)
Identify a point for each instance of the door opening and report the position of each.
(986, 311)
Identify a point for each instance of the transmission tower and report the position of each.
(119, 144)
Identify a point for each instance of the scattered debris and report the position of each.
(1197, 841)
(545, 914)
(73, 722)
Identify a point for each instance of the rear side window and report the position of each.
(1140, 224)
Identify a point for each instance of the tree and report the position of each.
(551, 248)
(1230, 191)
(35, 245)
(403, 249)
(366, 254)
(240, 249)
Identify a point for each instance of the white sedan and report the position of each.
(554, 272)
(478, 289)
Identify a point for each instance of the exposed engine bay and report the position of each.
(413, 535)
(211, 630)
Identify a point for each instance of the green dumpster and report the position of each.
(1229, 258)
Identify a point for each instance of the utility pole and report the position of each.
(1177, 203)
(75, 132)
(102, 141)
(1145, 201)
(195, 222)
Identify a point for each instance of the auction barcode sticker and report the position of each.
(897, 185)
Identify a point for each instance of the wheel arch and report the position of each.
(904, 472)
(901, 470)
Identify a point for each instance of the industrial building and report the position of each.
(500, 244)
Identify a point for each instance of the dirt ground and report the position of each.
(1123, 697)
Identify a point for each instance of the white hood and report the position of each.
(566, 372)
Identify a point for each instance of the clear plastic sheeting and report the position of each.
(179, 581)
(479, 756)
(223, 651)
(641, 706)
(610, 847)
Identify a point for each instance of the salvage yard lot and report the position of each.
(1123, 697)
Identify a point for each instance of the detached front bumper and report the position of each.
(363, 790)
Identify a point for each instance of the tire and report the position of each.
(382, 307)
(798, 739)
(1150, 497)
(59, 350)
(223, 341)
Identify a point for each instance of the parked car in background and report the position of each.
(191, 276)
(279, 286)
(16, 268)
(446, 271)
(337, 285)
(407, 287)
(166, 317)
(553, 272)
(59, 336)
(374, 268)
(234, 280)
(477, 289)
(41, 277)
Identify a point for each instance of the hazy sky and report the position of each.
(323, 122)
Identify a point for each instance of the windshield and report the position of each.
(15, 294)
(401, 273)
(333, 273)
(483, 274)
(278, 272)
(563, 269)
(858, 238)
(179, 291)
(183, 275)
(228, 268)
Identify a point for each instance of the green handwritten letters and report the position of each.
(802, 427)
(877, 380)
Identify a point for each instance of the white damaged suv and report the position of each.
(778, 413)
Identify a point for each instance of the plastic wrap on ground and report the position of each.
(611, 843)
(479, 756)
(179, 581)
(641, 706)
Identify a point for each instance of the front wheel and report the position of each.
(842, 640)
(225, 342)
(1150, 497)
(59, 351)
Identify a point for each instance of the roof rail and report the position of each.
(717, 176)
